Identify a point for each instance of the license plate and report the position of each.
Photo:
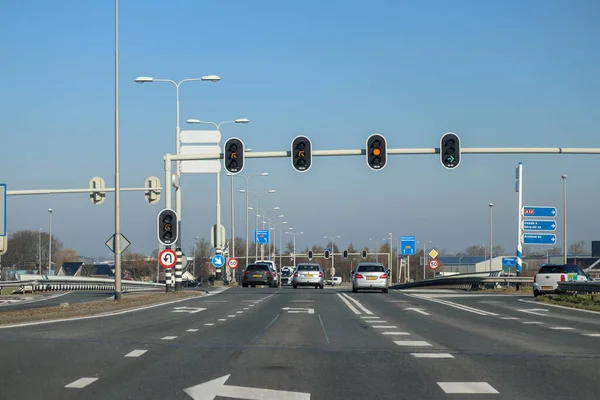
(257, 276)
(371, 278)
(309, 275)
(547, 287)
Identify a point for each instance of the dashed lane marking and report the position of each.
(81, 383)
(467, 388)
(135, 353)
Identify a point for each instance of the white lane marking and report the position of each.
(363, 308)
(302, 301)
(239, 312)
(535, 311)
(191, 310)
(397, 301)
(250, 305)
(222, 319)
(108, 314)
(192, 330)
(417, 310)
(432, 355)
(592, 334)
(509, 318)
(210, 323)
(81, 383)
(135, 353)
(246, 308)
(467, 388)
(384, 327)
(452, 304)
(231, 316)
(532, 322)
(559, 306)
(350, 306)
(375, 321)
(561, 328)
(169, 338)
(369, 317)
(412, 343)
(396, 333)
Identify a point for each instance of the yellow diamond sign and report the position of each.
(433, 253)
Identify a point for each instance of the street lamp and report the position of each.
(491, 237)
(332, 253)
(425, 257)
(50, 242)
(564, 178)
(218, 174)
(247, 178)
(40, 251)
(256, 209)
(280, 241)
(294, 233)
(148, 79)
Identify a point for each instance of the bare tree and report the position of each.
(578, 248)
(23, 250)
(139, 266)
(475, 250)
(498, 251)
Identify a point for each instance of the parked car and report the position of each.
(370, 276)
(548, 276)
(309, 275)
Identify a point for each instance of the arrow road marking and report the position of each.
(211, 389)
(417, 310)
(190, 310)
(292, 310)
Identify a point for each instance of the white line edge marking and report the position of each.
(467, 388)
(192, 330)
(592, 334)
(209, 324)
(562, 328)
(559, 306)
(375, 321)
(432, 355)
(532, 322)
(452, 304)
(384, 327)
(222, 319)
(350, 306)
(369, 317)
(365, 310)
(509, 318)
(412, 343)
(81, 383)
(168, 338)
(135, 353)
(110, 314)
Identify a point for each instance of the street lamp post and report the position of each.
(256, 212)
(40, 251)
(50, 242)
(491, 233)
(270, 223)
(294, 233)
(262, 246)
(147, 79)
(564, 178)
(332, 253)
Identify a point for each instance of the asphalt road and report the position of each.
(311, 344)
(23, 302)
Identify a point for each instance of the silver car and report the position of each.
(309, 275)
(370, 276)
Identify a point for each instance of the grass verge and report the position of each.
(510, 290)
(91, 308)
(582, 301)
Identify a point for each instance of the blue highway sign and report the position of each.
(539, 225)
(218, 261)
(408, 245)
(509, 261)
(540, 239)
(544, 212)
(261, 236)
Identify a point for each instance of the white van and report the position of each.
(334, 280)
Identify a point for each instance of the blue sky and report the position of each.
(498, 73)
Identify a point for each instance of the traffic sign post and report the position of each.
(539, 225)
(218, 261)
(433, 253)
(434, 264)
(540, 212)
(233, 263)
(408, 245)
(261, 236)
(509, 264)
(539, 239)
(2, 209)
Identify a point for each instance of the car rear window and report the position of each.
(257, 267)
(308, 267)
(560, 269)
(370, 268)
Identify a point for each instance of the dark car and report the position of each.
(258, 274)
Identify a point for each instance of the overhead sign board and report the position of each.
(541, 212)
(539, 239)
(2, 209)
(539, 225)
(408, 245)
(200, 166)
(200, 137)
(261, 236)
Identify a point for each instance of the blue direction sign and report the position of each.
(218, 261)
(408, 245)
(509, 261)
(543, 212)
(539, 225)
(541, 239)
(261, 236)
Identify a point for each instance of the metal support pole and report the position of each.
(520, 219)
(117, 242)
(232, 229)
(50, 244)
(168, 181)
(564, 178)
(491, 235)
(247, 223)
(40, 251)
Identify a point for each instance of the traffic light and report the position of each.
(310, 254)
(167, 227)
(450, 150)
(301, 153)
(364, 254)
(234, 155)
(327, 253)
(345, 254)
(376, 151)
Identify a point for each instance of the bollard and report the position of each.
(168, 279)
(178, 270)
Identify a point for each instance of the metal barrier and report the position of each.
(472, 281)
(40, 283)
(579, 287)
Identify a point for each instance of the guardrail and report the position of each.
(40, 283)
(473, 281)
(579, 287)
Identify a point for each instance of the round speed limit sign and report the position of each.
(434, 264)
(233, 263)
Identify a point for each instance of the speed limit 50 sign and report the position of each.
(434, 264)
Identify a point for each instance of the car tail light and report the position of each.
(358, 276)
(383, 276)
(296, 275)
(268, 273)
(562, 278)
(320, 274)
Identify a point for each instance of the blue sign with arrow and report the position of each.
(543, 212)
(218, 261)
(408, 245)
(539, 239)
(509, 261)
(261, 236)
(539, 225)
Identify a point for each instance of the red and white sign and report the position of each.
(167, 258)
(434, 264)
(233, 263)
